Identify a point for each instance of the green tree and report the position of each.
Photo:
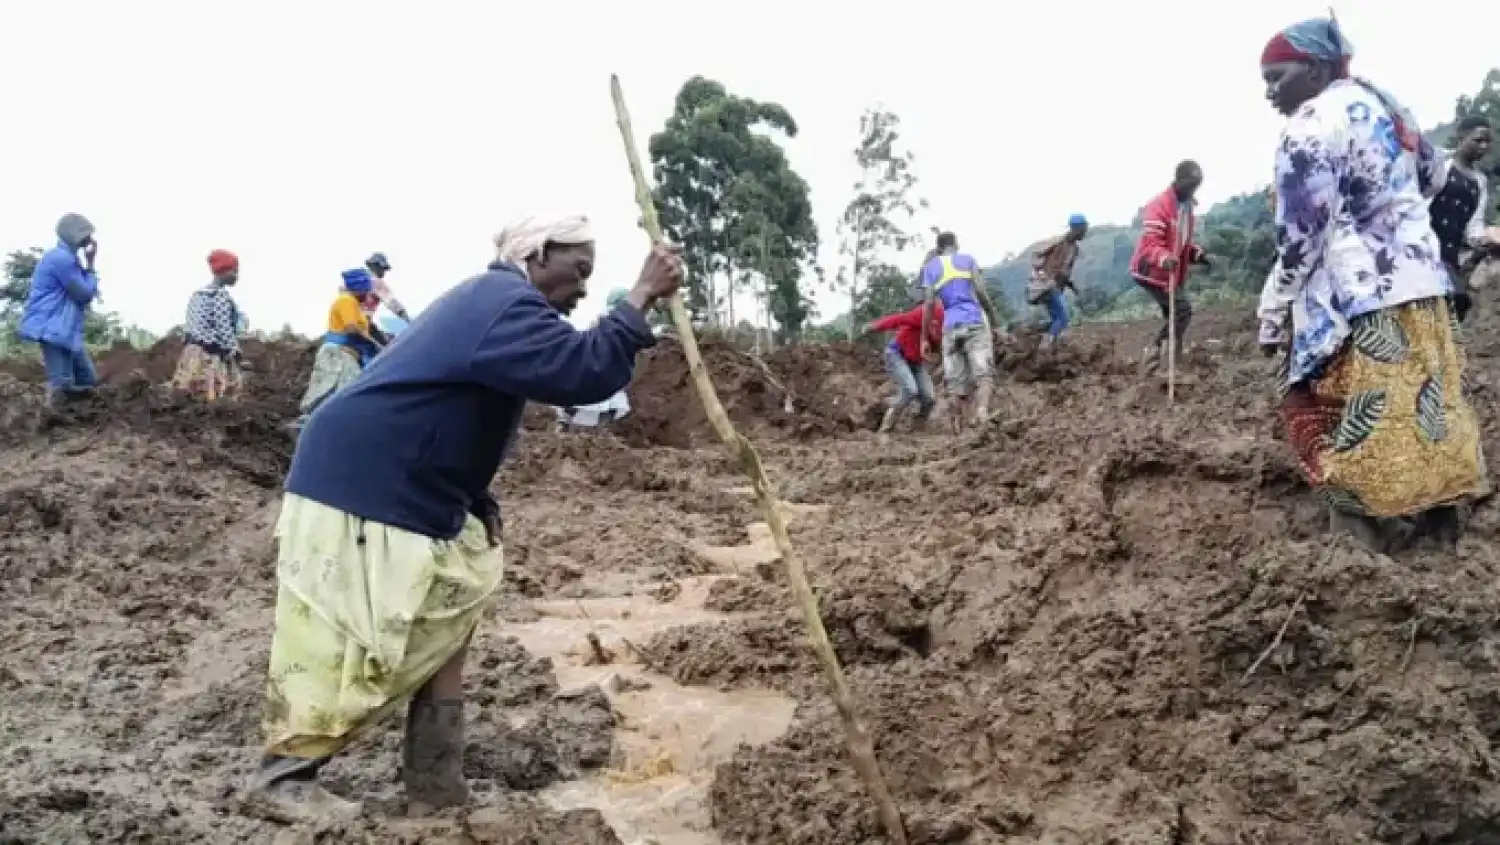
(19, 267)
(100, 328)
(722, 179)
(705, 146)
(887, 290)
(873, 223)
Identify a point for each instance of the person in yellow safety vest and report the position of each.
(954, 278)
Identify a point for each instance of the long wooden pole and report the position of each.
(861, 749)
(1179, 240)
(1172, 343)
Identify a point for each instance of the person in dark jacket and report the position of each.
(389, 535)
(1459, 208)
(62, 287)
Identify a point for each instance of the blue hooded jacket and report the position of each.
(61, 291)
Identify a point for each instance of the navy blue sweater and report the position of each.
(416, 440)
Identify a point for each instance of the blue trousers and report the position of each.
(68, 372)
(1057, 310)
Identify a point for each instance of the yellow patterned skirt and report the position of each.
(203, 373)
(334, 368)
(366, 614)
(1386, 431)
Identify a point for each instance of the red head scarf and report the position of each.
(222, 261)
(1315, 40)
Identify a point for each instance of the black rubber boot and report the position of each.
(432, 756)
(286, 790)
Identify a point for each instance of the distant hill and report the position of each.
(1238, 232)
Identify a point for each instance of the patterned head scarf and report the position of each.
(74, 229)
(1321, 40)
(1312, 40)
(357, 281)
(526, 237)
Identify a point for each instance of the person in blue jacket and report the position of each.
(62, 286)
(389, 536)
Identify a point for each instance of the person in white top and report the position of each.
(613, 409)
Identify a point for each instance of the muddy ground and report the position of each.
(1051, 622)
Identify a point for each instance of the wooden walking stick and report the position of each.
(861, 749)
(1184, 214)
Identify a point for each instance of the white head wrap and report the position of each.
(526, 237)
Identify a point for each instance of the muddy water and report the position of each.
(670, 736)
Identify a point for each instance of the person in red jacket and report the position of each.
(1165, 250)
(903, 360)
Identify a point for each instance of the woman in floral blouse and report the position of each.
(1374, 403)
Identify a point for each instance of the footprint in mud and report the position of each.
(670, 737)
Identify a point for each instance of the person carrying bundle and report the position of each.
(1051, 274)
(348, 345)
(905, 364)
(1374, 402)
(210, 362)
(389, 537)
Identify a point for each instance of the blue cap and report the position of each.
(358, 280)
(1077, 221)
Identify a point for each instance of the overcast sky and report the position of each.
(305, 135)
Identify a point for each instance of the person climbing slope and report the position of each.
(380, 291)
(63, 285)
(1374, 403)
(389, 536)
(1459, 206)
(599, 413)
(347, 346)
(1163, 253)
(905, 364)
(210, 362)
(953, 278)
(1051, 274)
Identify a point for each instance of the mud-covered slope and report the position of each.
(1097, 620)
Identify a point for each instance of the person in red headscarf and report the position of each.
(210, 362)
(1373, 398)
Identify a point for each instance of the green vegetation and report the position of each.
(101, 329)
(727, 193)
(1239, 232)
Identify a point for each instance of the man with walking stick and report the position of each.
(1162, 255)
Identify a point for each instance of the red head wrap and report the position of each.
(222, 261)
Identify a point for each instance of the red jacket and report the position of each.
(908, 326)
(1160, 239)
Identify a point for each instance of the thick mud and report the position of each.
(1097, 620)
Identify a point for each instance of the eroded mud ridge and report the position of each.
(1096, 621)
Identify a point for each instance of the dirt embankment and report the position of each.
(1097, 620)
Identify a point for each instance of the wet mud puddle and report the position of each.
(670, 736)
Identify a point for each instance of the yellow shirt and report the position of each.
(347, 317)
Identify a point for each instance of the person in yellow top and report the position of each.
(348, 345)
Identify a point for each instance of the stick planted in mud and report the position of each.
(861, 749)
